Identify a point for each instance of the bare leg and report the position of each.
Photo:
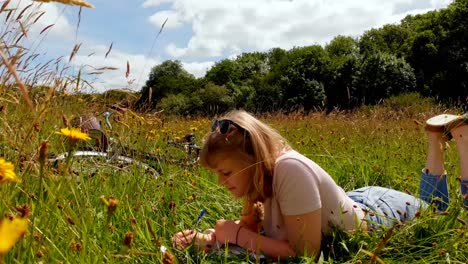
(435, 153)
(433, 187)
(460, 135)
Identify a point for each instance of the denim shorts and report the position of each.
(385, 207)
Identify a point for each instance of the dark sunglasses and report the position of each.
(224, 125)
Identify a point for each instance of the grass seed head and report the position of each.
(65, 121)
(43, 151)
(70, 220)
(172, 205)
(75, 246)
(128, 239)
(24, 210)
(168, 258)
(69, 2)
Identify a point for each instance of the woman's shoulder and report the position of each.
(291, 155)
(292, 161)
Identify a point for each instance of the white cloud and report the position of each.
(155, 3)
(437, 4)
(219, 29)
(53, 15)
(225, 27)
(60, 39)
(173, 50)
(198, 69)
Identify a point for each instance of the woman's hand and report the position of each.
(204, 241)
(226, 231)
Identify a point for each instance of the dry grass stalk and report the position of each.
(9, 14)
(49, 26)
(79, 20)
(108, 51)
(22, 87)
(75, 50)
(95, 73)
(19, 38)
(69, 2)
(22, 12)
(107, 68)
(23, 29)
(4, 5)
(38, 17)
(150, 95)
(127, 73)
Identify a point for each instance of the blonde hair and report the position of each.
(259, 145)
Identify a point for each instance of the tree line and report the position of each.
(426, 53)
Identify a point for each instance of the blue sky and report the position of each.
(198, 33)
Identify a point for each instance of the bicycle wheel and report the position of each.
(89, 163)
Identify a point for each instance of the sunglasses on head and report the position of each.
(224, 125)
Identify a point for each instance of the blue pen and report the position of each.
(197, 222)
(200, 216)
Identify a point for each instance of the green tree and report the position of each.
(252, 64)
(267, 96)
(382, 75)
(343, 61)
(216, 99)
(175, 104)
(240, 94)
(165, 79)
(439, 52)
(274, 56)
(393, 39)
(223, 72)
(299, 74)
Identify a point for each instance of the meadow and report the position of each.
(102, 214)
(115, 216)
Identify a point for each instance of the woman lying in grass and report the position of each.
(301, 201)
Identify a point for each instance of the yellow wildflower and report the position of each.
(69, 2)
(73, 134)
(10, 232)
(111, 203)
(7, 172)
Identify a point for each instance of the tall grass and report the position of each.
(125, 217)
(70, 223)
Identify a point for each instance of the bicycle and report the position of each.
(190, 146)
(105, 154)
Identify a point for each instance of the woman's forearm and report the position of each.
(257, 243)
